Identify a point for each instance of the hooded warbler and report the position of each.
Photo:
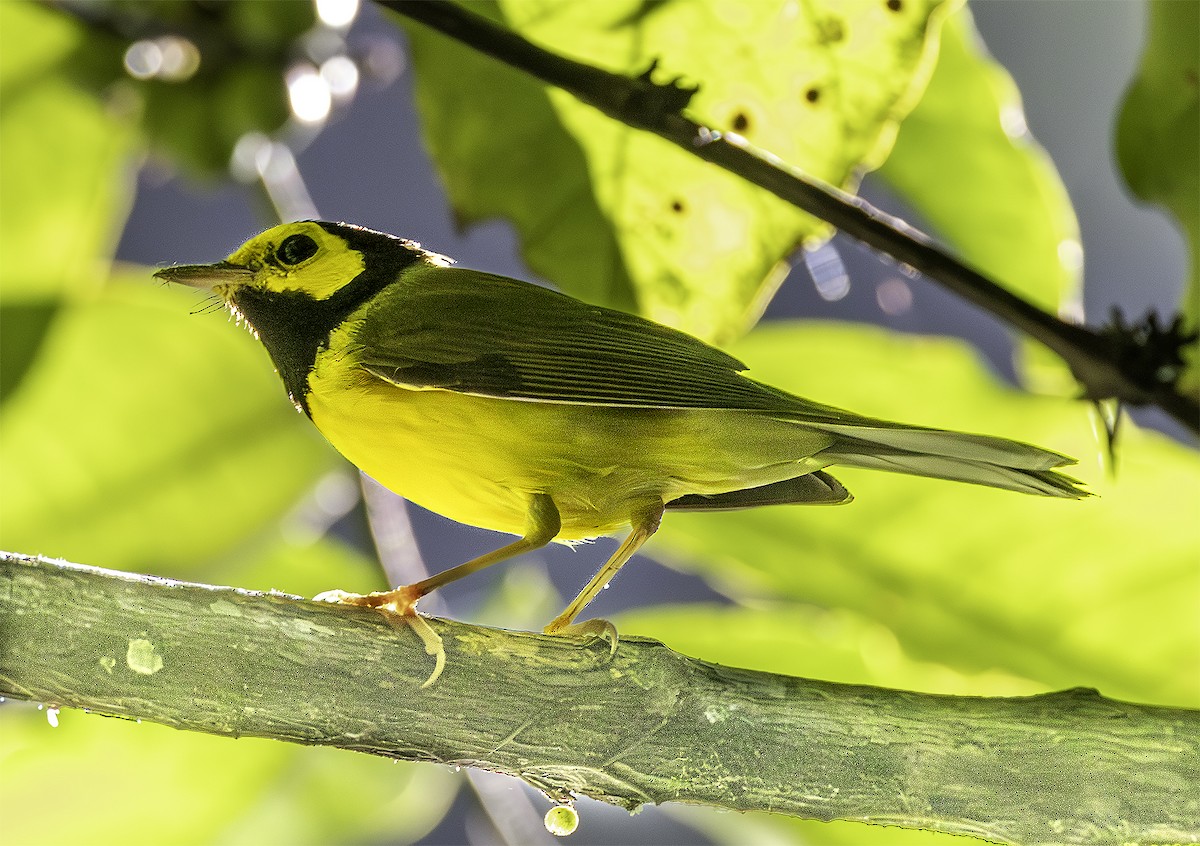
(512, 407)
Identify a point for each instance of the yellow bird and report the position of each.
(508, 406)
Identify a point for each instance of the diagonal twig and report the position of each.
(1097, 361)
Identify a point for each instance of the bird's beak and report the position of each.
(207, 276)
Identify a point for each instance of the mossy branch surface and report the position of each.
(646, 725)
(1096, 358)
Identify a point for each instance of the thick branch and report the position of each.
(659, 109)
(649, 725)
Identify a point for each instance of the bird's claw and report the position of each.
(598, 629)
(399, 608)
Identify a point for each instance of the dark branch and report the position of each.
(1092, 356)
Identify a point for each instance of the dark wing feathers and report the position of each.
(439, 327)
(481, 334)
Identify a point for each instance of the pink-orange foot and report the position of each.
(399, 608)
(402, 601)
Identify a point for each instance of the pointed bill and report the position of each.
(206, 276)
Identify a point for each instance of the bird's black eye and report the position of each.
(296, 248)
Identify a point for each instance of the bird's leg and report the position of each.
(544, 524)
(645, 524)
(400, 604)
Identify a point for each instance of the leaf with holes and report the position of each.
(821, 85)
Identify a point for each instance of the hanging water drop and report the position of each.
(561, 820)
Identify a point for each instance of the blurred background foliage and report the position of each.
(139, 435)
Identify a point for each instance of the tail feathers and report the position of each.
(962, 445)
(977, 459)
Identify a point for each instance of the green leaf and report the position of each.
(966, 163)
(1157, 132)
(799, 639)
(102, 781)
(691, 245)
(764, 829)
(148, 438)
(487, 141)
(230, 81)
(26, 58)
(1096, 592)
(66, 181)
(22, 328)
(296, 560)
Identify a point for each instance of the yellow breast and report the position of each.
(479, 460)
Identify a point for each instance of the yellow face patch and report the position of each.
(300, 257)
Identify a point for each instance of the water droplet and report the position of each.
(561, 820)
(52, 717)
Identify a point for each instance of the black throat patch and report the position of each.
(294, 326)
